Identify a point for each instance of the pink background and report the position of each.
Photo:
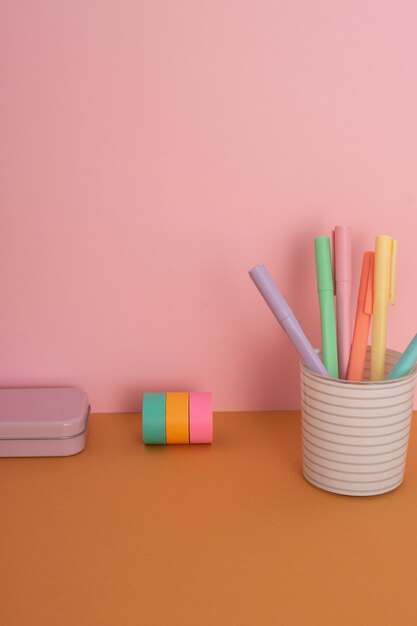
(152, 152)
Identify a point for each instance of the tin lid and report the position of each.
(38, 413)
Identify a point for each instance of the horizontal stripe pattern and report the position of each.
(364, 402)
(353, 478)
(354, 468)
(355, 435)
(349, 415)
(359, 454)
(365, 490)
(354, 422)
(362, 435)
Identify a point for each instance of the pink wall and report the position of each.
(153, 151)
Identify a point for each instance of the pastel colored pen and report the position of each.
(325, 290)
(363, 319)
(286, 318)
(406, 361)
(384, 292)
(342, 253)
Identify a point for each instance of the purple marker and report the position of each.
(289, 323)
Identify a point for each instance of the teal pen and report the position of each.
(406, 361)
(325, 288)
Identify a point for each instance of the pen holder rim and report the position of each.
(362, 383)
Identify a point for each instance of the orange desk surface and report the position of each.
(124, 534)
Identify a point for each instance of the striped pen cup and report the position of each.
(355, 435)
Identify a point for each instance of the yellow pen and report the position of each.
(384, 292)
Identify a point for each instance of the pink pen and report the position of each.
(343, 282)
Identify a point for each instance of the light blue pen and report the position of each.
(406, 361)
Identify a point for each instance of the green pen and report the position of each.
(325, 288)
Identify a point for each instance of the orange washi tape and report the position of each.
(176, 418)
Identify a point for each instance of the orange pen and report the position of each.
(363, 319)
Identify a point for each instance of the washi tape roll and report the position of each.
(177, 430)
(153, 418)
(201, 418)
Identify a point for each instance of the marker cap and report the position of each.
(323, 264)
(366, 286)
(385, 264)
(342, 254)
(270, 292)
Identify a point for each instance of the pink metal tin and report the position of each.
(43, 422)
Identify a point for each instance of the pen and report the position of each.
(363, 319)
(384, 292)
(406, 361)
(285, 316)
(325, 290)
(342, 253)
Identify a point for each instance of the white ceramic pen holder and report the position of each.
(355, 435)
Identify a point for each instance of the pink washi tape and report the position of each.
(201, 417)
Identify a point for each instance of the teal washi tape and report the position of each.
(153, 418)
